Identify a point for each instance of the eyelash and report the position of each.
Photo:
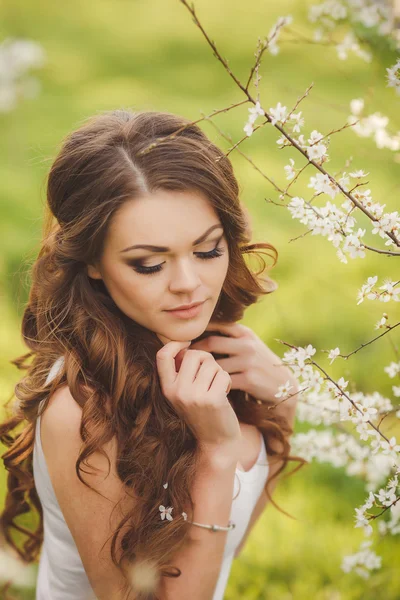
(215, 253)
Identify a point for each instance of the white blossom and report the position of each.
(390, 446)
(297, 207)
(367, 412)
(283, 390)
(248, 128)
(393, 76)
(278, 113)
(393, 369)
(333, 354)
(316, 150)
(299, 121)
(322, 183)
(344, 181)
(254, 112)
(290, 170)
(362, 521)
(301, 141)
(350, 43)
(166, 512)
(363, 561)
(274, 33)
(357, 106)
(358, 174)
(390, 292)
(382, 322)
(388, 223)
(283, 141)
(353, 246)
(374, 125)
(366, 290)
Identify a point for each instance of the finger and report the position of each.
(233, 329)
(166, 360)
(192, 366)
(179, 358)
(239, 382)
(207, 373)
(222, 379)
(233, 364)
(220, 345)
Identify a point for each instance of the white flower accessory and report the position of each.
(166, 512)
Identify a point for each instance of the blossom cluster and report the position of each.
(331, 15)
(323, 401)
(373, 126)
(363, 561)
(390, 291)
(337, 225)
(17, 57)
(274, 33)
(327, 402)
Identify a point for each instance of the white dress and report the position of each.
(61, 574)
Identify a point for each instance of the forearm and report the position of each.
(200, 559)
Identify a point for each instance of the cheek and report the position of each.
(223, 271)
(123, 287)
(143, 292)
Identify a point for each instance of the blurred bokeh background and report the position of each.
(149, 54)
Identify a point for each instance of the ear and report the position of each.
(93, 272)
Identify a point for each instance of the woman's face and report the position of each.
(182, 274)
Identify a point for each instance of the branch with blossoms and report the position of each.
(335, 19)
(322, 400)
(327, 407)
(336, 352)
(315, 153)
(329, 220)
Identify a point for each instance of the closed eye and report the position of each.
(215, 253)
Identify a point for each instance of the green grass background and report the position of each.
(150, 55)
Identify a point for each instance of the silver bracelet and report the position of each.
(231, 525)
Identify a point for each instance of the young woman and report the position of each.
(152, 437)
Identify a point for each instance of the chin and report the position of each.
(190, 335)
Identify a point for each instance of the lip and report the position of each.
(187, 313)
(185, 306)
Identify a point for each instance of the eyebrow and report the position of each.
(165, 248)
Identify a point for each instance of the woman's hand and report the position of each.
(198, 388)
(253, 367)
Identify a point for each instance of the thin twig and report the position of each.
(292, 141)
(389, 328)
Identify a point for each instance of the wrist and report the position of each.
(219, 457)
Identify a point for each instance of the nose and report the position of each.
(184, 278)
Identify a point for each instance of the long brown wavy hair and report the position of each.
(109, 359)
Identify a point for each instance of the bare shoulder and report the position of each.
(90, 517)
(60, 405)
(60, 425)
